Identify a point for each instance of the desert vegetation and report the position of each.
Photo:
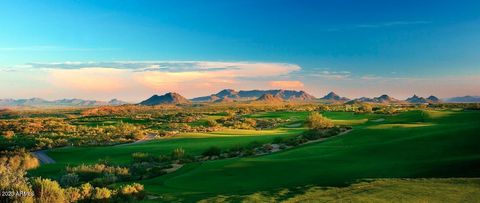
(121, 154)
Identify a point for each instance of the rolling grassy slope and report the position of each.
(413, 144)
(192, 143)
(388, 190)
(381, 190)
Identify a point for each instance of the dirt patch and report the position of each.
(174, 168)
(378, 120)
(148, 137)
(294, 125)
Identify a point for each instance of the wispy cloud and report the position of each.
(287, 84)
(241, 68)
(390, 24)
(325, 73)
(135, 80)
(378, 25)
(191, 78)
(50, 48)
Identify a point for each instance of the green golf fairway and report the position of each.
(414, 144)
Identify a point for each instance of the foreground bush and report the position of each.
(14, 180)
(47, 190)
(89, 172)
(19, 160)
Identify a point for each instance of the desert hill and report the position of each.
(332, 96)
(421, 100)
(169, 98)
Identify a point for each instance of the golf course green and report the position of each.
(413, 144)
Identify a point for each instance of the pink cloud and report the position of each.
(137, 80)
(286, 84)
(89, 79)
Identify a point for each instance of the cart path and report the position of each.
(43, 157)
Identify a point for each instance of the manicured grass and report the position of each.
(410, 190)
(414, 144)
(192, 143)
(446, 147)
(282, 115)
(381, 190)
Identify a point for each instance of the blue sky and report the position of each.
(357, 48)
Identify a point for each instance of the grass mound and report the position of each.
(381, 190)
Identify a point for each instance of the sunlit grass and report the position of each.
(403, 125)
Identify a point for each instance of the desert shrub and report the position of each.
(47, 191)
(131, 192)
(178, 153)
(142, 157)
(158, 170)
(152, 166)
(268, 123)
(99, 168)
(105, 180)
(19, 160)
(267, 147)
(253, 145)
(70, 179)
(8, 134)
(130, 131)
(316, 121)
(212, 123)
(212, 151)
(99, 173)
(86, 190)
(249, 152)
(140, 168)
(294, 141)
(101, 194)
(14, 180)
(365, 108)
(235, 151)
(73, 194)
(314, 134)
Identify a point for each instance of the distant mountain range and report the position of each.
(62, 102)
(277, 96)
(246, 95)
(464, 99)
(385, 99)
(229, 95)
